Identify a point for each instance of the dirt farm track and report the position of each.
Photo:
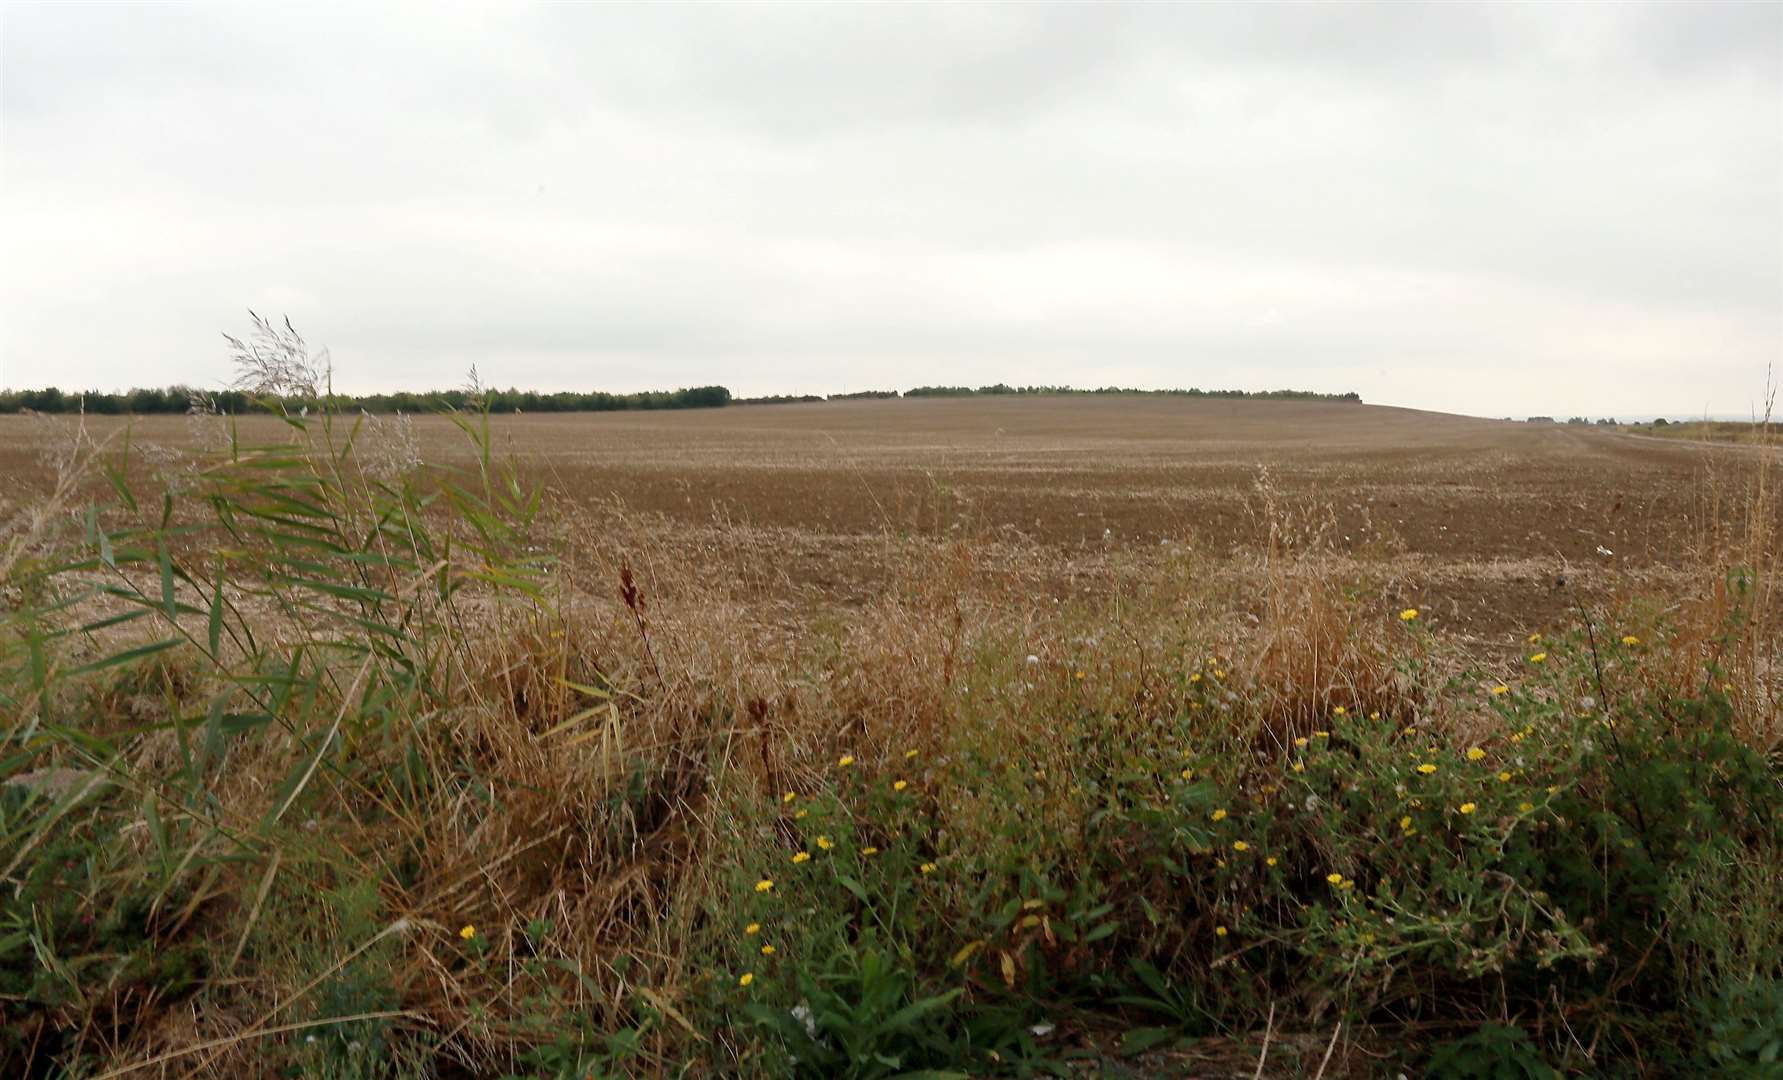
(1475, 519)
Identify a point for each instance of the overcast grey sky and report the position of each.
(1494, 210)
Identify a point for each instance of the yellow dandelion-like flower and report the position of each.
(1271, 861)
(823, 842)
(1408, 614)
(845, 761)
(1374, 715)
(1219, 815)
(909, 754)
(1321, 734)
(764, 885)
(1346, 883)
(1538, 657)
(1630, 639)
(746, 978)
(869, 851)
(789, 796)
(468, 932)
(1525, 807)
(800, 815)
(1218, 674)
(1219, 931)
(1300, 742)
(1427, 768)
(767, 950)
(1240, 845)
(1299, 767)
(1468, 808)
(1405, 822)
(1188, 774)
(752, 929)
(1533, 638)
(1500, 691)
(1334, 878)
(927, 868)
(900, 785)
(1340, 711)
(1080, 676)
(803, 856)
(1504, 777)
(1475, 754)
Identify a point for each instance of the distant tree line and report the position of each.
(1193, 392)
(179, 399)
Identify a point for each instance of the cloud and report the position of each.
(1493, 209)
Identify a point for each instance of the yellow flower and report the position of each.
(1080, 676)
(1219, 815)
(1334, 878)
(927, 868)
(1525, 807)
(823, 842)
(1240, 845)
(789, 796)
(1500, 691)
(746, 978)
(1405, 822)
(908, 754)
(1219, 931)
(1270, 861)
(1408, 614)
(763, 885)
(1301, 742)
(869, 851)
(767, 950)
(1374, 715)
(1538, 657)
(1340, 711)
(900, 785)
(1504, 777)
(1475, 754)
(1218, 674)
(845, 761)
(1346, 883)
(1195, 678)
(803, 856)
(1299, 767)
(800, 815)
(468, 932)
(1427, 768)
(1321, 734)
(1468, 808)
(1533, 638)
(1630, 639)
(1188, 774)
(752, 928)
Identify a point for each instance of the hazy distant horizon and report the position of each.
(1491, 210)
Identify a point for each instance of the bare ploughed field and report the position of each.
(814, 506)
